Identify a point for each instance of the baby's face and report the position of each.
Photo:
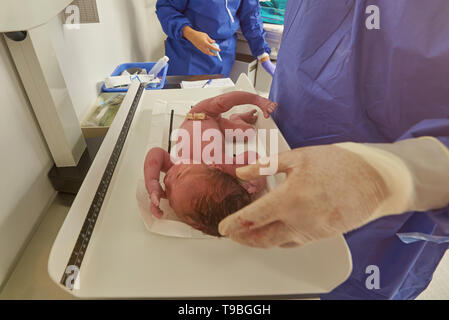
(183, 182)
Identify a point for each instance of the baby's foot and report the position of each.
(267, 106)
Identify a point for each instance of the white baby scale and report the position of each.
(121, 258)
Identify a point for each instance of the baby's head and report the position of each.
(202, 196)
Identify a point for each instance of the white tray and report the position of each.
(124, 260)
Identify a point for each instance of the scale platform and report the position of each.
(104, 244)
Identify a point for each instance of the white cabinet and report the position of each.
(246, 64)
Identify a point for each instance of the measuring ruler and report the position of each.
(76, 258)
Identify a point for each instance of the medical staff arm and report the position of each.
(334, 189)
(252, 27)
(171, 17)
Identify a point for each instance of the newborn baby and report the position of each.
(203, 194)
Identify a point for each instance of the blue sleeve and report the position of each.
(445, 141)
(438, 128)
(252, 27)
(171, 17)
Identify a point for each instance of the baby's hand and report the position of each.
(155, 192)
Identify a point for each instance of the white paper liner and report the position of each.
(169, 224)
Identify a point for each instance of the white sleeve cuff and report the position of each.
(416, 171)
(395, 174)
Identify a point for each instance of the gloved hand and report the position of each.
(334, 189)
(269, 67)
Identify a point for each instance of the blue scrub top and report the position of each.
(338, 80)
(220, 19)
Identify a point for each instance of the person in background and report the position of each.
(192, 27)
(363, 94)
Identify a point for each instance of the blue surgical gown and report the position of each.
(220, 19)
(338, 80)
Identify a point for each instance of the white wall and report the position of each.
(128, 31)
(24, 163)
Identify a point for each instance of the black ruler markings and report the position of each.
(87, 229)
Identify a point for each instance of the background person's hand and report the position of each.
(200, 40)
(269, 66)
(328, 191)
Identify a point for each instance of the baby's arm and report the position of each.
(157, 160)
(213, 107)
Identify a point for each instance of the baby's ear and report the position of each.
(253, 186)
(216, 166)
(248, 186)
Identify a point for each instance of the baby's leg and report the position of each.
(248, 117)
(236, 130)
(242, 121)
(213, 107)
(241, 124)
(234, 124)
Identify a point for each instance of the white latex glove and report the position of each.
(334, 189)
